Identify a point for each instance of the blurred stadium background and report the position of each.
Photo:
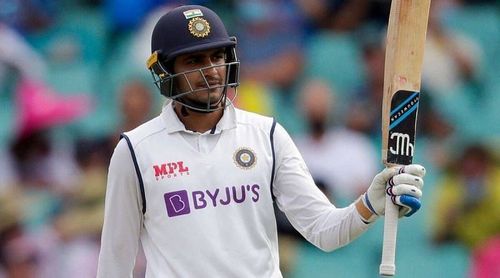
(73, 76)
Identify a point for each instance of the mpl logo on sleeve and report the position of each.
(170, 170)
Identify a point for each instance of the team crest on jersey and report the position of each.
(244, 158)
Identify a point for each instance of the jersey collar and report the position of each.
(173, 123)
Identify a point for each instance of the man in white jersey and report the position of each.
(196, 184)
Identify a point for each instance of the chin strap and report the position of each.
(184, 111)
(200, 107)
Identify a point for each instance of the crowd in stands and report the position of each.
(73, 77)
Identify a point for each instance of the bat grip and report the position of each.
(387, 266)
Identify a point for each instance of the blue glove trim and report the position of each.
(410, 202)
(369, 204)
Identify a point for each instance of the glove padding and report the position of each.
(402, 183)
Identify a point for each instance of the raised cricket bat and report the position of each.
(402, 74)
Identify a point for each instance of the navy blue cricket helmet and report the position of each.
(188, 29)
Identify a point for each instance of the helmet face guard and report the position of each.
(185, 30)
(166, 81)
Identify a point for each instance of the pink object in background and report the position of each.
(486, 260)
(39, 107)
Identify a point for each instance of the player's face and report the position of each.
(207, 82)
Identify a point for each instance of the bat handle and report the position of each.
(387, 266)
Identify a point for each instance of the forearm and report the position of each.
(341, 227)
(306, 207)
(352, 223)
(319, 221)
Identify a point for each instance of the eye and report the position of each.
(219, 57)
(191, 61)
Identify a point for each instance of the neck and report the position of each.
(197, 121)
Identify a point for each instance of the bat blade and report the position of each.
(402, 79)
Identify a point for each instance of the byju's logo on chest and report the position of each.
(182, 202)
(170, 170)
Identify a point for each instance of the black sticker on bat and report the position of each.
(402, 125)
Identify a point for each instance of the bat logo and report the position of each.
(401, 126)
(403, 144)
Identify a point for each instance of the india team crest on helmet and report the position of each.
(244, 158)
(199, 27)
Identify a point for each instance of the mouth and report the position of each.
(210, 84)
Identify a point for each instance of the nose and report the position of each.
(211, 70)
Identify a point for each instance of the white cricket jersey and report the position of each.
(202, 204)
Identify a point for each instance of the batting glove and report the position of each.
(402, 183)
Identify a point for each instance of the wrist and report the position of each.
(367, 215)
(366, 202)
